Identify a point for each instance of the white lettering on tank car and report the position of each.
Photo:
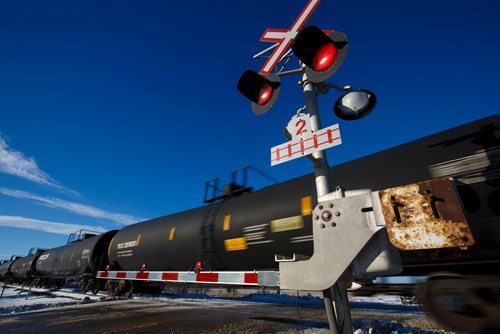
(127, 244)
(86, 253)
(125, 253)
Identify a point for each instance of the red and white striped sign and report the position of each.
(285, 37)
(252, 278)
(299, 147)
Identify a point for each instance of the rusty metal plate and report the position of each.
(425, 215)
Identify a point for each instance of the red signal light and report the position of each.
(324, 57)
(322, 54)
(262, 91)
(198, 266)
(265, 95)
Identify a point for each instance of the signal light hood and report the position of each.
(261, 91)
(311, 45)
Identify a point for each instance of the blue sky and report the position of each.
(113, 112)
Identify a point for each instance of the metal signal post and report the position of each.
(337, 294)
(321, 170)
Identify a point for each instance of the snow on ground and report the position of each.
(14, 302)
(382, 299)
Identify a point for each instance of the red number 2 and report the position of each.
(301, 124)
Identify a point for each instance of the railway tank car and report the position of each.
(5, 267)
(245, 232)
(178, 241)
(79, 260)
(24, 268)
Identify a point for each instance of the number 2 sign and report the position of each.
(299, 126)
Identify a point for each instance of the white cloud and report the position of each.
(45, 226)
(77, 208)
(15, 163)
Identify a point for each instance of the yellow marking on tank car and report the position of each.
(109, 247)
(172, 233)
(235, 244)
(138, 240)
(227, 223)
(306, 205)
(287, 224)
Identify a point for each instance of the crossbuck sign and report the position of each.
(285, 37)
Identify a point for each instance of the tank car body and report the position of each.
(6, 265)
(2, 270)
(24, 268)
(246, 232)
(163, 243)
(76, 258)
(216, 233)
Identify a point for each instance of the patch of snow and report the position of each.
(381, 299)
(367, 326)
(13, 302)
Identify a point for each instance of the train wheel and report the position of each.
(460, 303)
(110, 288)
(84, 286)
(128, 292)
(96, 288)
(122, 288)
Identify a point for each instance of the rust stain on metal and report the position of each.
(425, 215)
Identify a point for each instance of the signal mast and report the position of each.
(321, 54)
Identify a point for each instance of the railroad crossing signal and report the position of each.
(262, 88)
(261, 91)
(321, 53)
